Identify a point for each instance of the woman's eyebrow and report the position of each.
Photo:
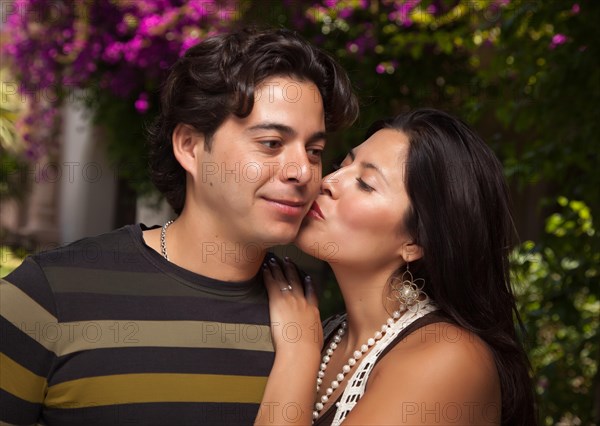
(368, 165)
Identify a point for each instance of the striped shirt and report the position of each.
(105, 331)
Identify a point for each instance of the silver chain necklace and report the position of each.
(163, 239)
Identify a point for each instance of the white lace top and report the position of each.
(355, 388)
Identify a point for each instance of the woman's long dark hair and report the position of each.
(461, 217)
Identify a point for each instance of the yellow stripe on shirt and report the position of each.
(20, 382)
(64, 338)
(155, 388)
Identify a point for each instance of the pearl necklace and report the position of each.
(163, 239)
(337, 338)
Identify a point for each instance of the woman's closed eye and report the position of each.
(364, 186)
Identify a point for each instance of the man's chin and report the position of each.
(284, 237)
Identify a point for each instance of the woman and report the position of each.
(419, 218)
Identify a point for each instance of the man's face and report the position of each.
(262, 173)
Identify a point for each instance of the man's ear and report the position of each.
(411, 251)
(188, 145)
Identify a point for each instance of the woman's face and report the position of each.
(358, 217)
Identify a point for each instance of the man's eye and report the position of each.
(272, 144)
(315, 152)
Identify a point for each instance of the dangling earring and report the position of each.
(407, 291)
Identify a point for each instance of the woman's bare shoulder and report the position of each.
(439, 374)
(445, 350)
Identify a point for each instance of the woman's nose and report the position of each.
(329, 183)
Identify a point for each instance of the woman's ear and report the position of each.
(188, 145)
(411, 251)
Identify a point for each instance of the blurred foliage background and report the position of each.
(524, 73)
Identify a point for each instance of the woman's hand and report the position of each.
(297, 337)
(294, 308)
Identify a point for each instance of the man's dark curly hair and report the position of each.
(218, 77)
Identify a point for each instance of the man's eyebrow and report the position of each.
(367, 165)
(286, 130)
(318, 136)
(281, 128)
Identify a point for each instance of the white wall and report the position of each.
(87, 189)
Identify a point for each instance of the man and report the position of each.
(170, 325)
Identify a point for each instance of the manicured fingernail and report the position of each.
(272, 260)
(308, 279)
(287, 259)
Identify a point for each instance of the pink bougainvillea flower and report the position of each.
(118, 46)
(557, 40)
(142, 104)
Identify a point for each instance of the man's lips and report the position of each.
(288, 207)
(315, 211)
